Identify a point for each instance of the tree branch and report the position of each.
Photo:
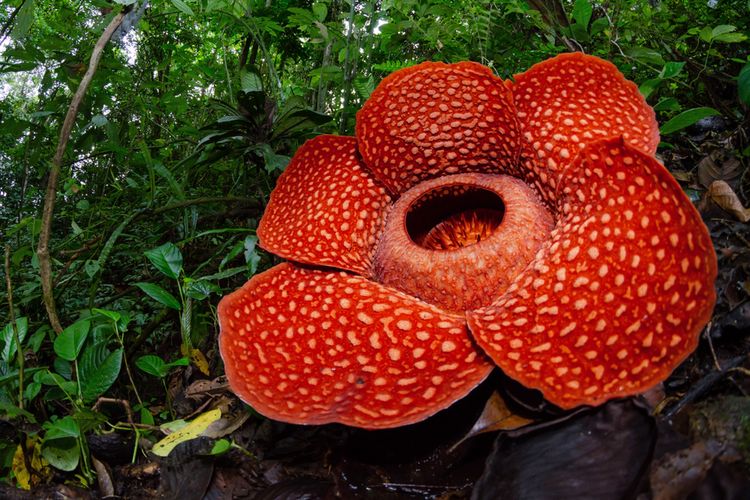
(45, 265)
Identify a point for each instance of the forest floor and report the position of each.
(688, 438)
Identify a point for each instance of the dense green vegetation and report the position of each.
(194, 110)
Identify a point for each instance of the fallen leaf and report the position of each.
(191, 430)
(723, 195)
(495, 417)
(601, 453)
(199, 360)
(678, 474)
(23, 476)
(716, 167)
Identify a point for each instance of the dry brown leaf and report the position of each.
(717, 167)
(495, 417)
(722, 194)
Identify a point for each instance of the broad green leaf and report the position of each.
(183, 7)
(250, 81)
(62, 454)
(686, 118)
(88, 420)
(251, 253)
(98, 369)
(722, 29)
(645, 55)
(221, 446)
(201, 289)
(731, 38)
(190, 431)
(160, 295)
(167, 259)
(65, 427)
(743, 84)
(320, 10)
(648, 87)
(112, 315)
(68, 344)
(91, 267)
(582, 12)
(8, 338)
(153, 365)
(671, 69)
(24, 19)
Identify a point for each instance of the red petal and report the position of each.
(327, 208)
(434, 119)
(574, 99)
(311, 347)
(618, 297)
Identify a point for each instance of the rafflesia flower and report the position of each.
(472, 223)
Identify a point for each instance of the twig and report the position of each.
(12, 317)
(121, 402)
(45, 264)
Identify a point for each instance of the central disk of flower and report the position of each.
(459, 241)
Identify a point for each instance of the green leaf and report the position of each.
(98, 370)
(582, 12)
(221, 446)
(731, 38)
(8, 338)
(686, 118)
(112, 315)
(183, 7)
(201, 289)
(91, 267)
(153, 365)
(648, 87)
(250, 81)
(160, 295)
(722, 29)
(65, 427)
(62, 454)
(251, 253)
(167, 259)
(743, 84)
(671, 69)
(24, 19)
(648, 56)
(68, 344)
(88, 420)
(320, 10)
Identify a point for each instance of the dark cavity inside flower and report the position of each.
(474, 223)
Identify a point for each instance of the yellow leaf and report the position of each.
(23, 477)
(190, 431)
(199, 360)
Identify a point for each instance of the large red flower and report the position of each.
(472, 222)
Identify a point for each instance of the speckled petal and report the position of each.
(435, 119)
(618, 297)
(310, 347)
(571, 100)
(327, 208)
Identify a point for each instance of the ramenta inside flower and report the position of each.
(458, 241)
